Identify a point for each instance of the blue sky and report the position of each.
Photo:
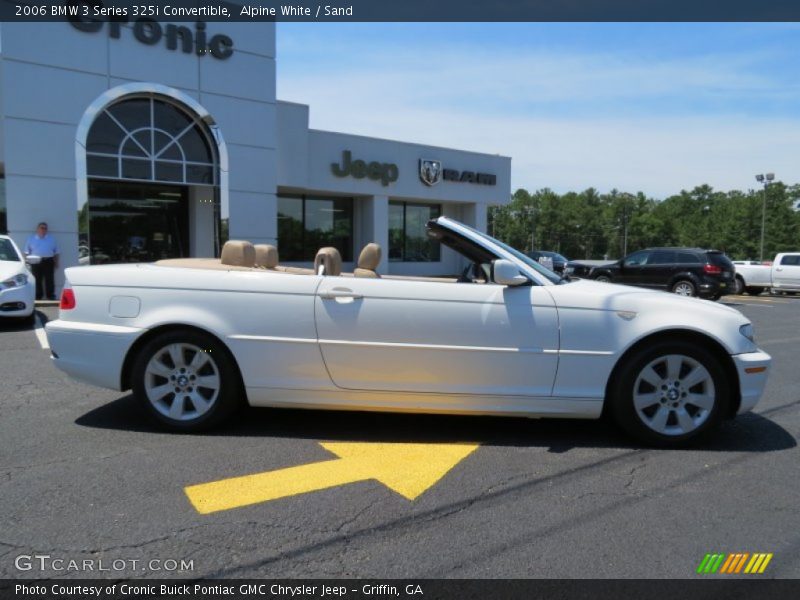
(639, 107)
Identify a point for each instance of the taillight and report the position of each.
(67, 299)
(712, 270)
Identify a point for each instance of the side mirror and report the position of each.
(507, 273)
(32, 259)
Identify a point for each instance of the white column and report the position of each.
(375, 228)
(475, 216)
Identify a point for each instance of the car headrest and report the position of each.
(370, 257)
(330, 259)
(238, 253)
(266, 256)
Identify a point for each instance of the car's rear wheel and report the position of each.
(670, 393)
(754, 290)
(684, 287)
(603, 278)
(186, 380)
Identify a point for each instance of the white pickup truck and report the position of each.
(782, 276)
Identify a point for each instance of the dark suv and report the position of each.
(559, 262)
(685, 271)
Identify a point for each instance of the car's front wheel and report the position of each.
(669, 393)
(603, 278)
(186, 380)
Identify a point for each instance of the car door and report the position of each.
(786, 274)
(405, 335)
(659, 269)
(631, 271)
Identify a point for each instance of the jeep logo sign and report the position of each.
(386, 173)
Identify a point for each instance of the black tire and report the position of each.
(754, 290)
(715, 297)
(603, 278)
(621, 393)
(738, 285)
(684, 284)
(219, 366)
(28, 321)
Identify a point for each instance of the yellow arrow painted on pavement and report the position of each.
(408, 469)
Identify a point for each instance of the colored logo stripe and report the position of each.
(734, 563)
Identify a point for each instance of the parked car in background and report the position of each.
(17, 284)
(546, 258)
(582, 268)
(781, 275)
(684, 271)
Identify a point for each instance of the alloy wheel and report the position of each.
(182, 381)
(674, 395)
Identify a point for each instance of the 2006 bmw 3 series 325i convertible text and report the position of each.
(195, 338)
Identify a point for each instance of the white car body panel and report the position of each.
(391, 344)
(12, 295)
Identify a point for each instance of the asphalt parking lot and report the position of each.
(85, 476)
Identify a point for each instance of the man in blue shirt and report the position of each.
(42, 244)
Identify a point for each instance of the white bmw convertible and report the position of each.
(195, 338)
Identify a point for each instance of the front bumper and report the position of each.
(753, 369)
(90, 352)
(18, 301)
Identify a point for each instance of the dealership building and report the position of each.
(139, 140)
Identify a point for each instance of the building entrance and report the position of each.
(134, 222)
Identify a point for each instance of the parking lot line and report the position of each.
(40, 333)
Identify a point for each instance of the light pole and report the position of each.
(766, 180)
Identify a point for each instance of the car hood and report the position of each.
(9, 268)
(595, 295)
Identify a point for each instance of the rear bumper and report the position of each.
(713, 287)
(90, 352)
(753, 369)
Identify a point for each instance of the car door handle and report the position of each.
(779, 269)
(339, 294)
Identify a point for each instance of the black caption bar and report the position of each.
(405, 10)
(424, 589)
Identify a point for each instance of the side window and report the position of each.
(791, 259)
(688, 258)
(637, 259)
(661, 257)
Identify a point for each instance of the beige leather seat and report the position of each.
(266, 256)
(330, 260)
(238, 253)
(368, 261)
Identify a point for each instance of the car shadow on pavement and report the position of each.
(747, 433)
(17, 323)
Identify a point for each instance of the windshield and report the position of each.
(540, 269)
(7, 251)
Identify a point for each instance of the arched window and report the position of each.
(149, 139)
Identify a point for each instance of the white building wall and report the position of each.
(51, 72)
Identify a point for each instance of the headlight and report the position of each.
(16, 281)
(747, 331)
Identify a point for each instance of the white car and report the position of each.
(17, 284)
(194, 338)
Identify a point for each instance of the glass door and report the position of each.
(136, 222)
